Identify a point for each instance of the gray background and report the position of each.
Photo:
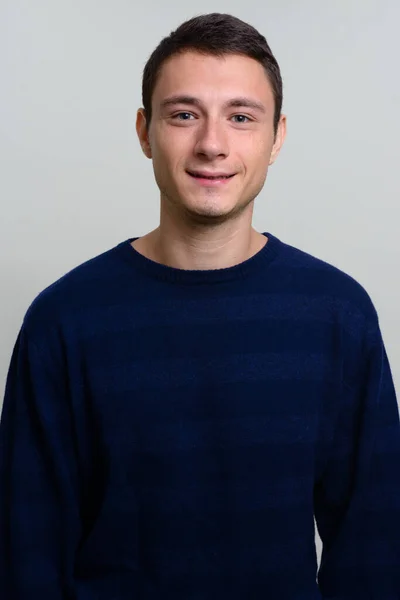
(74, 182)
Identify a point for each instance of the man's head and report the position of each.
(212, 99)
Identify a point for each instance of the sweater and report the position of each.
(171, 434)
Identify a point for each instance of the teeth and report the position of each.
(217, 177)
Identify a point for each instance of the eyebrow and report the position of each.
(238, 102)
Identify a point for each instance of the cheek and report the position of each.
(168, 164)
(170, 151)
(263, 147)
(255, 150)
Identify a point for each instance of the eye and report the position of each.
(241, 117)
(181, 114)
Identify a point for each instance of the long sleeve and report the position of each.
(357, 500)
(39, 514)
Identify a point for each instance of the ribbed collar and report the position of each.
(202, 276)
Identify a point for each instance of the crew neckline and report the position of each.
(201, 276)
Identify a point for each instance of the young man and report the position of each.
(181, 407)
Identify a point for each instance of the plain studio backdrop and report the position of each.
(74, 181)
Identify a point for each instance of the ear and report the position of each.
(142, 132)
(279, 139)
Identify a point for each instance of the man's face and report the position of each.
(211, 116)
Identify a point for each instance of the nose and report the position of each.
(212, 140)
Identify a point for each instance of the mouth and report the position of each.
(205, 179)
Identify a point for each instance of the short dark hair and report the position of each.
(214, 34)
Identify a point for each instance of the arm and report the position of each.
(357, 500)
(39, 516)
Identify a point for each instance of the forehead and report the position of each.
(212, 77)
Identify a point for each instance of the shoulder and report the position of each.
(326, 284)
(79, 289)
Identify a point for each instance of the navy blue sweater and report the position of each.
(171, 435)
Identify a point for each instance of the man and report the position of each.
(181, 407)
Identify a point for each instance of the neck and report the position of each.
(194, 250)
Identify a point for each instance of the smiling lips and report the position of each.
(207, 178)
(209, 174)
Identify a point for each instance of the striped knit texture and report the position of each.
(171, 435)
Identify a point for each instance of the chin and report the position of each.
(211, 212)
